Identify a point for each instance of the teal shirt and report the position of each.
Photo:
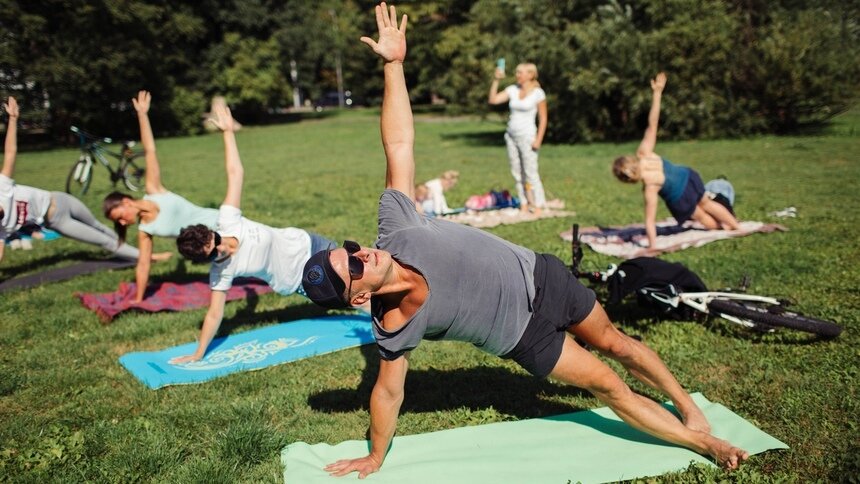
(676, 180)
(176, 213)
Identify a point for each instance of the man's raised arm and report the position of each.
(398, 132)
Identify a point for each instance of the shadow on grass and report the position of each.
(475, 388)
(249, 315)
(478, 138)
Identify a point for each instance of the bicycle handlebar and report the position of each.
(89, 137)
(576, 250)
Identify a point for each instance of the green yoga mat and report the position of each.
(588, 446)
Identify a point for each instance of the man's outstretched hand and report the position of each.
(391, 45)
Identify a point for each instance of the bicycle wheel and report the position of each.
(774, 315)
(133, 175)
(80, 176)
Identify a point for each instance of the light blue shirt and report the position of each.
(676, 181)
(176, 213)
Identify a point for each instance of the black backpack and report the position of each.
(634, 274)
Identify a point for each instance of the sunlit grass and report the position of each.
(70, 412)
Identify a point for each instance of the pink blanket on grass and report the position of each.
(605, 242)
(165, 296)
(504, 216)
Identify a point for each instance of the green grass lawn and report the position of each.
(69, 412)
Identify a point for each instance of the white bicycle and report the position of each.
(760, 313)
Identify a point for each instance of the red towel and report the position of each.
(165, 296)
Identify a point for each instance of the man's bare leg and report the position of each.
(642, 362)
(579, 367)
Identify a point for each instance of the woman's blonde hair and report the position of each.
(532, 69)
(421, 192)
(449, 179)
(626, 169)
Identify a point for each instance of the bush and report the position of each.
(733, 69)
(187, 107)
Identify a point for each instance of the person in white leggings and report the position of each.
(21, 204)
(527, 101)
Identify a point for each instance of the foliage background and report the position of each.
(735, 66)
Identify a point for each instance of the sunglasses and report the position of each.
(213, 254)
(356, 266)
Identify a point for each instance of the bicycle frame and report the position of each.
(760, 313)
(97, 151)
(667, 296)
(699, 301)
(92, 151)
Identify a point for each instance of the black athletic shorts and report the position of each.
(560, 301)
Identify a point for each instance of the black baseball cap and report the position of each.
(321, 283)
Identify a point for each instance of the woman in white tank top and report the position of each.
(527, 102)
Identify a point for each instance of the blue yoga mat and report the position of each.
(251, 350)
(47, 235)
(50, 235)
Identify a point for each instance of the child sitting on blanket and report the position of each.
(430, 196)
(679, 186)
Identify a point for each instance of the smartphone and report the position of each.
(500, 64)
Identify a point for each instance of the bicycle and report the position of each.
(760, 313)
(92, 150)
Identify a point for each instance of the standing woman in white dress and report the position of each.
(527, 102)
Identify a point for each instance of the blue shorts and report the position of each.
(318, 243)
(682, 208)
(560, 302)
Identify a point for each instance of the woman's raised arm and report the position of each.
(496, 97)
(153, 171)
(649, 141)
(11, 147)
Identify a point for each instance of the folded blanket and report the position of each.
(628, 241)
(165, 296)
(504, 216)
(588, 446)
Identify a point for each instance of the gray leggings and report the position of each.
(74, 220)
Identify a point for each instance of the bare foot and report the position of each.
(537, 212)
(161, 256)
(694, 419)
(727, 456)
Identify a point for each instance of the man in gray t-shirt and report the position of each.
(479, 296)
(435, 280)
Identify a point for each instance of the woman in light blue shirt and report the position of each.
(160, 213)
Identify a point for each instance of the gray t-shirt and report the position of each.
(481, 286)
